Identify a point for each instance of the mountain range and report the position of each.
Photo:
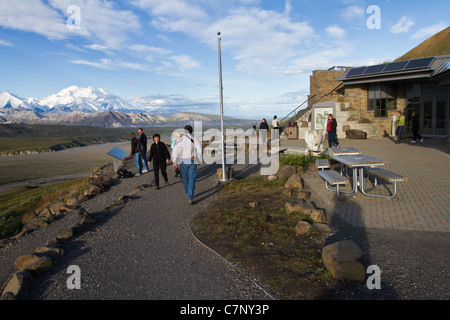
(96, 107)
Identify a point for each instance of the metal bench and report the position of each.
(332, 178)
(323, 164)
(388, 176)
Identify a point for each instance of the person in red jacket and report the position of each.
(331, 128)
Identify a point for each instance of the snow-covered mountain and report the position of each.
(9, 101)
(97, 107)
(87, 100)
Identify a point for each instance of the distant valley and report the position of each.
(96, 107)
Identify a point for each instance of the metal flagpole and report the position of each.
(224, 177)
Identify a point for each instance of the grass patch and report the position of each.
(264, 240)
(299, 160)
(19, 201)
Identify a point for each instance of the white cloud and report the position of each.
(334, 31)
(429, 31)
(353, 12)
(109, 64)
(33, 16)
(185, 62)
(403, 25)
(258, 39)
(6, 43)
(100, 21)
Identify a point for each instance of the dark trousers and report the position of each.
(332, 139)
(159, 166)
(416, 134)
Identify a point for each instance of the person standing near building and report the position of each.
(160, 156)
(332, 131)
(415, 127)
(186, 154)
(143, 140)
(400, 122)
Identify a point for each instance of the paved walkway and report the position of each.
(422, 203)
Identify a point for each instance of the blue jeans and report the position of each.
(188, 170)
(144, 160)
(138, 160)
(399, 133)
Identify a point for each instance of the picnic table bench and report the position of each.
(359, 163)
(388, 176)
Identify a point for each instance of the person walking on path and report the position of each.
(332, 129)
(400, 122)
(186, 154)
(143, 140)
(160, 156)
(415, 127)
(175, 137)
(136, 148)
(264, 126)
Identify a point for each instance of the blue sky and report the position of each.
(166, 50)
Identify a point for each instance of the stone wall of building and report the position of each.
(323, 82)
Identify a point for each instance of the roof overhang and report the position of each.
(403, 76)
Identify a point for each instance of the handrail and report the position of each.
(307, 109)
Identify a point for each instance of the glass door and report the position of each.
(427, 112)
(441, 116)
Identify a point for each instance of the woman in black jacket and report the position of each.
(264, 126)
(160, 156)
(332, 131)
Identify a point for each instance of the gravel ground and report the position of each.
(144, 250)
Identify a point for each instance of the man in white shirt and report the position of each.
(186, 154)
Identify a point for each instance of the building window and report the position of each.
(382, 98)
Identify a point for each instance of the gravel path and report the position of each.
(142, 250)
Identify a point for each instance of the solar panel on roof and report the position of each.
(419, 63)
(374, 69)
(395, 66)
(356, 72)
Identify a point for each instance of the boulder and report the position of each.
(65, 234)
(286, 171)
(50, 250)
(254, 204)
(294, 182)
(28, 217)
(341, 259)
(17, 282)
(317, 215)
(302, 228)
(356, 134)
(322, 226)
(33, 263)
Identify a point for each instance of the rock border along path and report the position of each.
(139, 248)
